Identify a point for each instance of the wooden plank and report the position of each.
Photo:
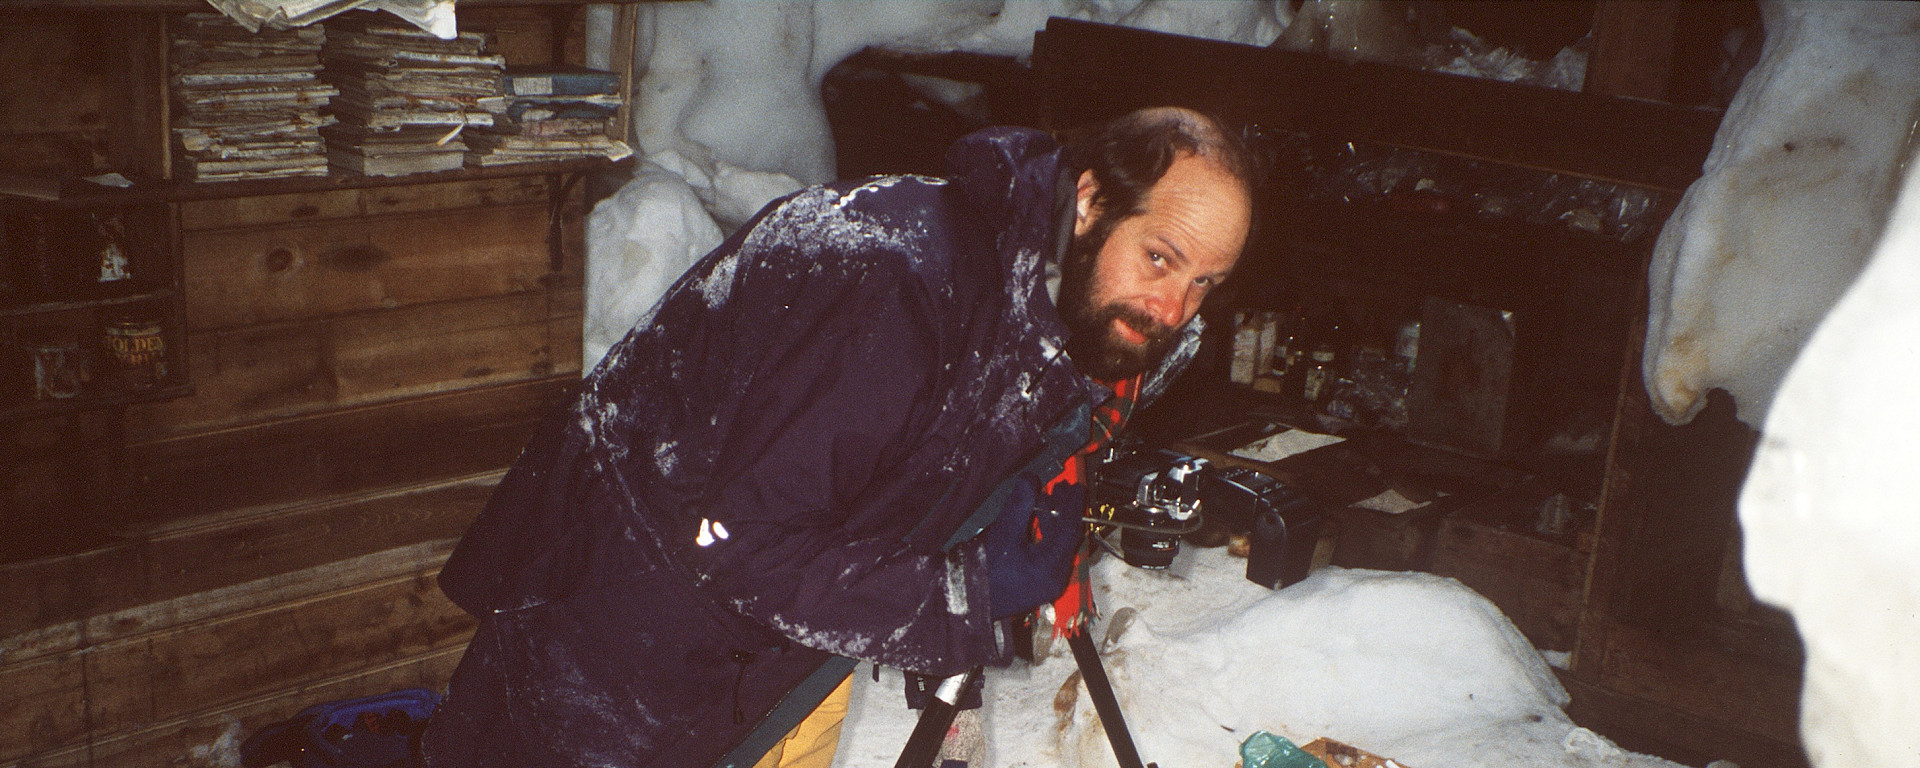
(440, 347)
(244, 375)
(60, 71)
(621, 60)
(472, 193)
(349, 450)
(1702, 679)
(1092, 71)
(40, 599)
(198, 737)
(252, 374)
(43, 707)
(189, 560)
(251, 276)
(1536, 583)
(228, 212)
(1632, 49)
(523, 35)
(140, 140)
(288, 587)
(1622, 504)
(190, 668)
(256, 210)
(1648, 728)
(104, 623)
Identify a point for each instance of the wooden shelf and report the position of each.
(46, 307)
(188, 190)
(155, 193)
(1092, 71)
(38, 409)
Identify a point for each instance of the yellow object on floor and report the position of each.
(811, 743)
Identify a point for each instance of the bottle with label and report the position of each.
(1314, 385)
(1246, 342)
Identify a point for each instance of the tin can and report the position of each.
(139, 349)
(57, 365)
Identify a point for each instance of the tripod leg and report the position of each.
(1095, 676)
(924, 745)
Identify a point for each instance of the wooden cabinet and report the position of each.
(352, 363)
(273, 299)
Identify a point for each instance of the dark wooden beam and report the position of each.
(1091, 71)
(1632, 52)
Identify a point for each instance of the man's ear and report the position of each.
(1083, 213)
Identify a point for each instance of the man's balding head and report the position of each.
(1161, 211)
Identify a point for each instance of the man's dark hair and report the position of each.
(1130, 153)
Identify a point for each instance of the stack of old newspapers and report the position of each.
(406, 96)
(247, 105)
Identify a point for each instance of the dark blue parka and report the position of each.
(766, 472)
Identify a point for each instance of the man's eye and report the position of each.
(1156, 258)
(1204, 282)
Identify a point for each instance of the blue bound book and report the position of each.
(560, 80)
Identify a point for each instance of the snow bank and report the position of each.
(1407, 665)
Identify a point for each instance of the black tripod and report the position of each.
(924, 745)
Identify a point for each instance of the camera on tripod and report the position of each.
(1155, 497)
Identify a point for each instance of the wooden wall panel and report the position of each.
(169, 740)
(525, 35)
(234, 212)
(43, 706)
(230, 212)
(250, 276)
(266, 640)
(195, 559)
(1700, 678)
(279, 370)
(191, 668)
(438, 347)
(54, 102)
(479, 193)
(38, 595)
(345, 451)
(192, 739)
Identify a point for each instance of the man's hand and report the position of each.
(1030, 548)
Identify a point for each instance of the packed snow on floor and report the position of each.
(1410, 666)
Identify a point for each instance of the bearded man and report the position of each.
(855, 431)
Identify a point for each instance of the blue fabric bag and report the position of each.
(378, 731)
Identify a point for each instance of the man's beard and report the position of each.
(1097, 350)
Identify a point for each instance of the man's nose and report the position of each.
(1173, 305)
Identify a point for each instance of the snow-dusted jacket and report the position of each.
(767, 471)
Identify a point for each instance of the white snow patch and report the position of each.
(666, 460)
(717, 286)
(1407, 665)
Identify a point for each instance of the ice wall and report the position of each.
(1831, 520)
(1801, 177)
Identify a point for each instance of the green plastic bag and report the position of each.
(1265, 750)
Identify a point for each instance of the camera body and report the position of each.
(1153, 497)
(1157, 496)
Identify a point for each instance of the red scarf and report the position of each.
(1075, 606)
